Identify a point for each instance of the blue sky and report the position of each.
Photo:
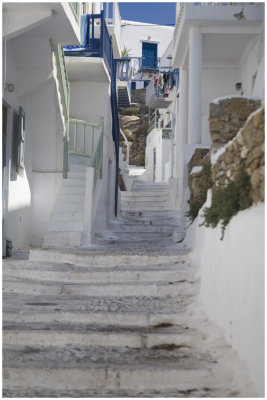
(155, 13)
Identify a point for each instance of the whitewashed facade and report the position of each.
(219, 50)
(31, 86)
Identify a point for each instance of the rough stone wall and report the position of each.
(243, 139)
(246, 149)
(196, 182)
(227, 116)
(134, 123)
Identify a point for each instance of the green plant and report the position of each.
(196, 204)
(125, 52)
(227, 201)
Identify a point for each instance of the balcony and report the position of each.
(158, 97)
(55, 20)
(241, 20)
(96, 42)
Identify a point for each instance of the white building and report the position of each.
(38, 103)
(146, 43)
(219, 50)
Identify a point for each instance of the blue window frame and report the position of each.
(150, 56)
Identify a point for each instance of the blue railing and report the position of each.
(149, 62)
(95, 40)
(115, 128)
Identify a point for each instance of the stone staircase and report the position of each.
(148, 213)
(123, 97)
(112, 321)
(66, 225)
(118, 319)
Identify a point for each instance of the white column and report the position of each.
(182, 118)
(182, 134)
(194, 92)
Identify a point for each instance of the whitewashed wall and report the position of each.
(232, 283)
(134, 33)
(163, 152)
(90, 101)
(32, 73)
(217, 82)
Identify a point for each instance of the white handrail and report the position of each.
(127, 146)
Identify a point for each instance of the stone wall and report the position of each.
(196, 180)
(236, 141)
(227, 116)
(246, 149)
(134, 123)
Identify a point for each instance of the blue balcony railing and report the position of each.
(95, 40)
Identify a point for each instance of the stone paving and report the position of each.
(118, 319)
(108, 345)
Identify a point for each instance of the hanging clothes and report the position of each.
(165, 78)
(160, 80)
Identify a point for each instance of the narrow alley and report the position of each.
(120, 319)
(133, 200)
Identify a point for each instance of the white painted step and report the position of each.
(73, 182)
(77, 175)
(148, 215)
(146, 207)
(73, 190)
(66, 217)
(146, 194)
(156, 289)
(105, 258)
(76, 167)
(60, 334)
(146, 228)
(70, 198)
(62, 239)
(75, 274)
(69, 207)
(69, 367)
(60, 226)
(128, 236)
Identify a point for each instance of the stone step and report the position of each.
(80, 367)
(223, 392)
(146, 193)
(154, 214)
(148, 206)
(73, 189)
(60, 334)
(128, 236)
(120, 311)
(61, 207)
(158, 289)
(62, 239)
(66, 217)
(77, 175)
(160, 221)
(75, 274)
(142, 185)
(105, 258)
(60, 226)
(76, 167)
(144, 228)
(65, 198)
(72, 182)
